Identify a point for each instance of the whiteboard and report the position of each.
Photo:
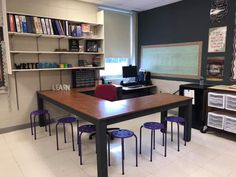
(181, 60)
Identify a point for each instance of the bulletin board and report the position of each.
(180, 60)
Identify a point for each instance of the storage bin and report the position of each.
(215, 120)
(230, 102)
(230, 123)
(216, 100)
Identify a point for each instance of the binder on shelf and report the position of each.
(58, 26)
(78, 31)
(24, 24)
(61, 27)
(38, 26)
(43, 26)
(50, 26)
(11, 25)
(47, 26)
(54, 27)
(67, 28)
(32, 24)
(28, 23)
(18, 23)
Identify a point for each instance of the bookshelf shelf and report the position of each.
(53, 52)
(52, 36)
(55, 69)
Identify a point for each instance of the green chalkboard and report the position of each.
(182, 60)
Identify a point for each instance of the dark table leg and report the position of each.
(101, 147)
(40, 106)
(188, 118)
(163, 116)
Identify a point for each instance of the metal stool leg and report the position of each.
(80, 148)
(154, 137)
(140, 143)
(49, 126)
(178, 134)
(165, 142)
(72, 133)
(34, 128)
(123, 158)
(45, 119)
(171, 131)
(64, 129)
(136, 145)
(151, 145)
(109, 153)
(163, 134)
(184, 136)
(31, 125)
(57, 136)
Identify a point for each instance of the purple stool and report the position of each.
(66, 120)
(35, 114)
(89, 128)
(122, 134)
(153, 126)
(178, 120)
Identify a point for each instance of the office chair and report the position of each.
(106, 92)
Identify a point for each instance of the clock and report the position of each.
(219, 9)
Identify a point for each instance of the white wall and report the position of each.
(28, 82)
(167, 86)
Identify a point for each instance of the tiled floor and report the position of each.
(207, 155)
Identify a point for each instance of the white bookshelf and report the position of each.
(13, 50)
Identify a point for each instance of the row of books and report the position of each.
(37, 25)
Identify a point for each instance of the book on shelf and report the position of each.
(11, 23)
(18, 24)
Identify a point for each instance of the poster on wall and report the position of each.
(219, 9)
(215, 68)
(217, 39)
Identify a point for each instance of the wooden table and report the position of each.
(102, 113)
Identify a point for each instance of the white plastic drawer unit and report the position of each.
(216, 100)
(230, 102)
(215, 120)
(230, 124)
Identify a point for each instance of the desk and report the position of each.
(102, 113)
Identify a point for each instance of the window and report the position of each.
(118, 42)
(114, 67)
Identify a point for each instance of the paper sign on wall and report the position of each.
(217, 39)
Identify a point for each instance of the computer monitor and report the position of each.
(129, 71)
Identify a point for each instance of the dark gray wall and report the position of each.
(186, 21)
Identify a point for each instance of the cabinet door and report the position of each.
(216, 100)
(230, 102)
(215, 120)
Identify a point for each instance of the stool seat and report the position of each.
(87, 128)
(122, 133)
(175, 119)
(153, 125)
(67, 120)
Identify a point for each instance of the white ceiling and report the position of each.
(135, 5)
